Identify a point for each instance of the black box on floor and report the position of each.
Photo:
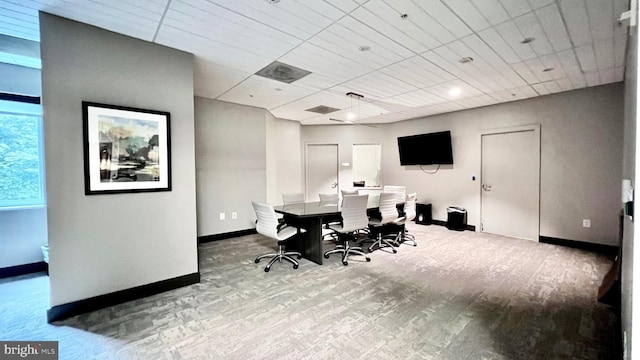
(456, 218)
(423, 214)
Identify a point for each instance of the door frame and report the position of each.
(306, 163)
(536, 128)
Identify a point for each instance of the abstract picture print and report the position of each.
(125, 149)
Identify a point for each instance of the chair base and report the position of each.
(346, 250)
(382, 242)
(279, 256)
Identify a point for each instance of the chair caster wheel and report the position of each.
(295, 266)
(395, 251)
(299, 257)
(266, 269)
(326, 256)
(256, 261)
(414, 245)
(345, 263)
(368, 259)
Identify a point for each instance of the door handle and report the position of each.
(486, 187)
(334, 185)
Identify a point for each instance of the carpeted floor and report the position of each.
(457, 295)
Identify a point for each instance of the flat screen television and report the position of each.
(426, 149)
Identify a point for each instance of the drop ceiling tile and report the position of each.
(499, 45)
(418, 72)
(516, 8)
(213, 51)
(577, 21)
(344, 5)
(619, 45)
(607, 76)
(445, 17)
(422, 19)
(530, 28)
(537, 4)
(469, 14)
(261, 92)
(541, 89)
(212, 80)
(385, 20)
(587, 58)
(564, 84)
(291, 17)
(578, 81)
(601, 19)
(553, 26)
(569, 63)
(604, 53)
(593, 79)
(492, 10)
(512, 36)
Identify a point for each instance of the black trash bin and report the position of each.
(456, 218)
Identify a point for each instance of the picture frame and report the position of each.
(126, 150)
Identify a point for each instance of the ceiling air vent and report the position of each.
(282, 72)
(322, 109)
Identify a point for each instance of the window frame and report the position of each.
(22, 105)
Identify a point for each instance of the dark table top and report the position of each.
(318, 208)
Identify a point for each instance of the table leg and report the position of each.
(309, 243)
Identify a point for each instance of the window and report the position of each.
(366, 165)
(21, 160)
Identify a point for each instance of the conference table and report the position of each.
(310, 216)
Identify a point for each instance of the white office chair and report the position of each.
(349, 192)
(267, 225)
(400, 192)
(329, 198)
(409, 210)
(292, 198)
(332, 199)
(388, 214)
(354, 217)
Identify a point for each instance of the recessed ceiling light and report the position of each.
(364, 48)
(454, 92)
(404, 16)
(465, 60)
(278, 89)
(250, 95)
(527, 40)
(547, 69)
(351, 116)
(272, 1)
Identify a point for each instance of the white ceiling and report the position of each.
(409, 70)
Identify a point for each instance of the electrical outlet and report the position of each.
(234, 215)
(222, 216)
(586, 223)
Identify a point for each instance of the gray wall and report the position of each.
(243, 154)
(284, 158)
(580, 159)
(104, 243)
(231, 164)
(22, 231)
(629, 172)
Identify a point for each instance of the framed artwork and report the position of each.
(126, 150)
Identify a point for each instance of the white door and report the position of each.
(321, 170)
(511, 183)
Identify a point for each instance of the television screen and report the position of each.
(426, 149)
